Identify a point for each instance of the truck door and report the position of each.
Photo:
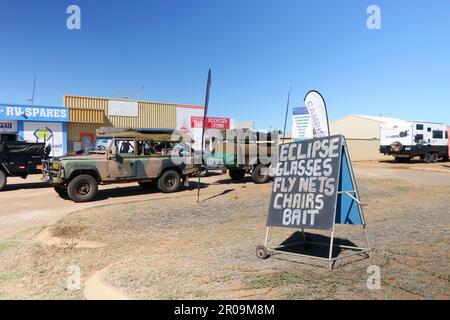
(148, 162)
(123, 166)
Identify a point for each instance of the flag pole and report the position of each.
(205, 114)
(287, 111)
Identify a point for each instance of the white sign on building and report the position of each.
(123, 108)
(46, 132)
(184, 123)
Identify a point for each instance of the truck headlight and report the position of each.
(62, 172)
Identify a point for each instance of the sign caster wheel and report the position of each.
(262, 252)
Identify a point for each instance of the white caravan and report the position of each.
(408, 139)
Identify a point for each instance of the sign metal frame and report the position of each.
(357, 250)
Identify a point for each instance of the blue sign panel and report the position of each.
(33, 113)
(300, 111)
(348, 210)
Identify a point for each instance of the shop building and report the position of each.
(47, 124)
(87, 114)
(362, 134)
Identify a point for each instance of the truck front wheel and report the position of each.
(82, 188)
(3, 180)
(202, 172)
(169, 181)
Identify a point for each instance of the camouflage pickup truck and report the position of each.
(159, 158)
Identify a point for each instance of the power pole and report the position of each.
(34, 91)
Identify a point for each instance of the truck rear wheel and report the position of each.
(237, 174)
(3, 180)
(82, 188)
(257, 176)
(169, 181)
(427, 158)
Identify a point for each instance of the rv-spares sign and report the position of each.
(305, 184)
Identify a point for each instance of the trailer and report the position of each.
(20, 158)
(244, 152)
(406, 140)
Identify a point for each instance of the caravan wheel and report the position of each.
(3, 180)
(434, 157)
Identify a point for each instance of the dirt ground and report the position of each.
(137, 245)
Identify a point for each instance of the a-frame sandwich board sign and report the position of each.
(314, 188)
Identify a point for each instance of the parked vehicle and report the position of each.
(20, 158)
(152, 157)
(204, 170)
(244, 153)
(406, 140)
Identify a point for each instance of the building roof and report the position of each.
(179, 105)
(360, 126)
(378, 118)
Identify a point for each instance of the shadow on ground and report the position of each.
(247, 179)
(137, 190)
(26, 186)
(224, 192)
(412, 161)
(317, 246)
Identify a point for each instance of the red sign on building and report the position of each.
(211, 123)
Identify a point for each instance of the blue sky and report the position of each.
(254, 48)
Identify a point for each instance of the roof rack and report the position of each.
(160, 134)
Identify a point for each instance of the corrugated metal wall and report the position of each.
(365, 149)
(151, 115)
(89, 113)
(74, 130)
(354, 127)
(80, 102)
(81, 115)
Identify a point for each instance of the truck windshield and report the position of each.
(100, 145)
